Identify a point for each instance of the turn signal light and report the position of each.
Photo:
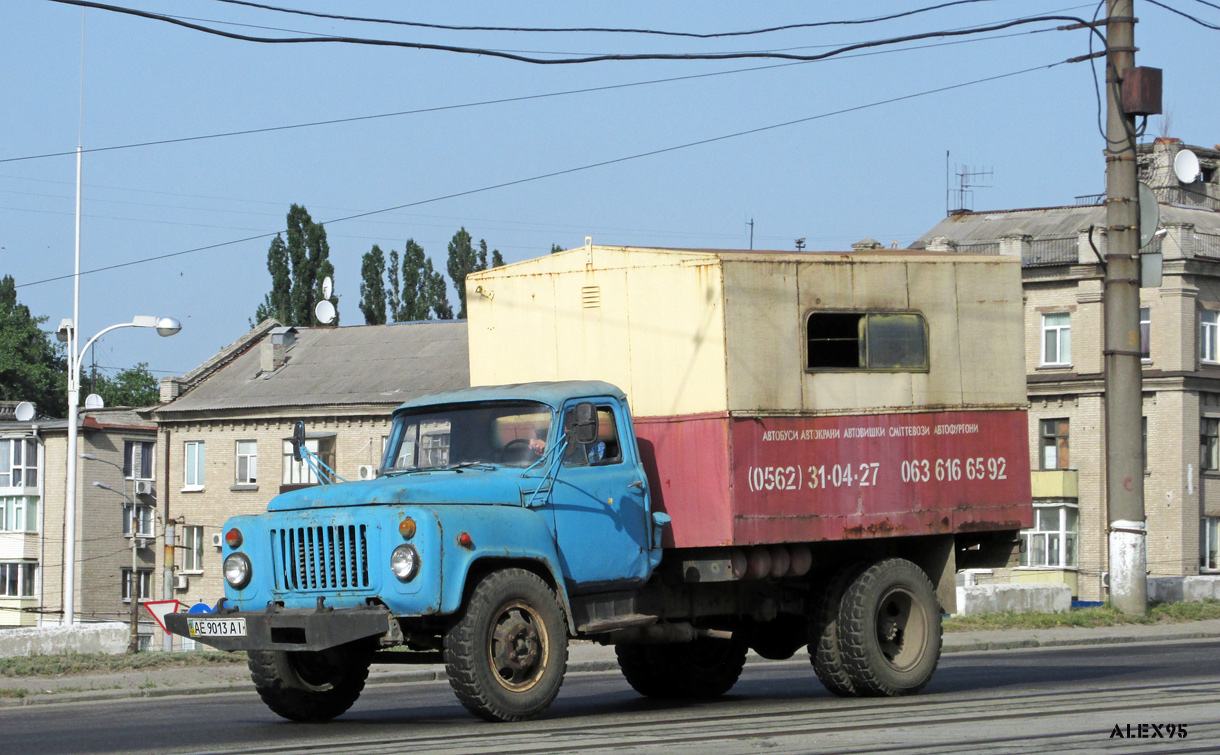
(406, 528)
(233, 538)
(465, 540)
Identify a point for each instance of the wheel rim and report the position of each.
(518, 646)
(902, 629)
(313, 670)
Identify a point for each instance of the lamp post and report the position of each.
(133, 589)
(66, 333)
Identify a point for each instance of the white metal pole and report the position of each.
(69, 572)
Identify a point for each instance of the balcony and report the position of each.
(18, 546)
(1056, 484)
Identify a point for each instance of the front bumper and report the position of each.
(291, 629)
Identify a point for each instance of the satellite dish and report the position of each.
(94, 401)
(24, 411)
(325, 312)
(328, 287)
(1186, 166)
(1150, 214)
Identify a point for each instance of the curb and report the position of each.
(582, 667)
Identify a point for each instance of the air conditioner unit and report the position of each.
(181, 582)
(218, 540)
(144, 487)
(366, 472)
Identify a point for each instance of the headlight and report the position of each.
(237, 570)
(404, 562)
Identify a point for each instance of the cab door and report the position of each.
(600, 503)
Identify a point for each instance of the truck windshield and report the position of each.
(503, 433)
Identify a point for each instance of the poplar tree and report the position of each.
(372, 286)
(298, 267)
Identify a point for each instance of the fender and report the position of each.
(496, 533)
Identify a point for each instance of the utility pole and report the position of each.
(1124, 401)
(751, 224)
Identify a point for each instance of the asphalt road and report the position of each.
(1062, 700)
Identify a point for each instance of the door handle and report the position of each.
(637, 484)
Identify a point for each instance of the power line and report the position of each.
(566, 61)
(601, 30)
(566, 171)
(498, 101)
(1186, 15)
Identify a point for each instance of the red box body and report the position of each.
(748, 480)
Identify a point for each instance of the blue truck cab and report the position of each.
(495, 512)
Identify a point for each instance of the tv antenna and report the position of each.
(968, 178)
(800, 244)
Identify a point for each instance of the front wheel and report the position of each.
(309, 685)
(889, 629)
(506, 656)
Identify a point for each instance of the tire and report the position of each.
(890, 629)
(506, 656)
(309, 686)
(701, 670)
(824, 651)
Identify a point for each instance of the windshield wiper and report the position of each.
(470, 465)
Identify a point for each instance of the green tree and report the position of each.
(416, 273)
(32, 366)
(463, 260)
(438, 298)
(278, 302)
(393, 289)
(297, 268)
(372, 286)
(134, 386)
(556, 248)
(496, 259)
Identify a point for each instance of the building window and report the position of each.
(17, 579)
(1209, 443)
(144, 520)
(138, 458)
(145, 579)
(1209, 329)
(18, 514)
(194, 464)
(192, 559)
(298, 472)
(1209, 542)
(1053, 453)
(1057, 339)
(1145, 333)
(247, 462)
(1052, 541)
(866, 341)
(18, 463)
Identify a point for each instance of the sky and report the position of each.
(865, 151)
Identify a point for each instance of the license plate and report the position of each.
(216, 627)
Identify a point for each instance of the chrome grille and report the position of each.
(326, 557)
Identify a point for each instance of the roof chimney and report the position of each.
(274, 350)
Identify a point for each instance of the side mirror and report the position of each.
(582, 423)
(297, 440)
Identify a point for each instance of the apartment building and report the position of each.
(1061, 250)
(223, 428)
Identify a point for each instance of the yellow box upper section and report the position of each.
(693, 331)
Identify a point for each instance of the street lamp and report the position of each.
(66, 333)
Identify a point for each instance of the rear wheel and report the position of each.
(507, 655)
(824, 651)
(309, 686)
(701, 670)
(890, 629)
